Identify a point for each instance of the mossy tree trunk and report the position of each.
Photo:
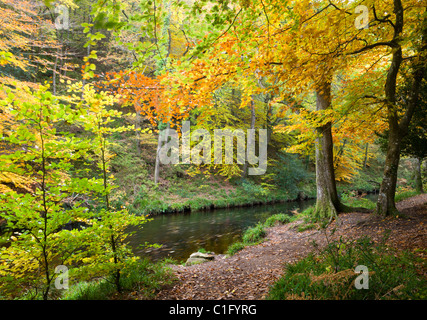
(245, 166)
(385, 203)
(398, 126)
(327, 203)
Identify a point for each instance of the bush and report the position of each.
(95, 290)
(291, 174)
(330, 274)
(252, 189)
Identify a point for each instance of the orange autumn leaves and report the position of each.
(288, 50)
(158, 99)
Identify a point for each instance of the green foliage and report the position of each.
(40, 242)
(254, 234)
(330, 274)
(290, 173)
(277, 218)
(308, 220)
(235, 247)
(252, 189)
(306, 226)
(143, 277)
(352, 201)
(113, 255)
(402, 194)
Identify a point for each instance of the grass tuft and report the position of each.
(256, 234)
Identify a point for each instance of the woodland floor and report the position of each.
(249, 273)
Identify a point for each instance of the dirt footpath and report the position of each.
(249, 273)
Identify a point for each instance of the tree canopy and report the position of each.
(317, 82)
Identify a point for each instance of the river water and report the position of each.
(184, 233)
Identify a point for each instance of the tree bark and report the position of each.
(138, 133)
(385, 204)
(418, 176)
(327, 202)
(365, 161)
(54, 72)
(157, 164)
(397, 130)
(245, 166)
(163, 134)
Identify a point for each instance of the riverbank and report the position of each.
(210, 196)
(181, 188)
(250, 272)
(207, 193)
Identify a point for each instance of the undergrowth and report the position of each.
(256, 234)
(309, 221)
(330, 274)
(143, 280)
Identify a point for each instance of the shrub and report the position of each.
(290, 173)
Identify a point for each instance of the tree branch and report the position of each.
(384, 19)
(390, 44)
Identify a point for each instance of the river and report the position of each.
(184, 233)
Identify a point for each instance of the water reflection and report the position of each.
(182, 234)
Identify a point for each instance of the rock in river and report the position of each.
(199, 257)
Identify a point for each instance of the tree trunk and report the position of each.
(163, 136)
(138, 133)
(365, 161)
(327, 202)
(385, 203)
(245, 166)
(54, 72)
(418, 176)
(157, 165)
(397, 130)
